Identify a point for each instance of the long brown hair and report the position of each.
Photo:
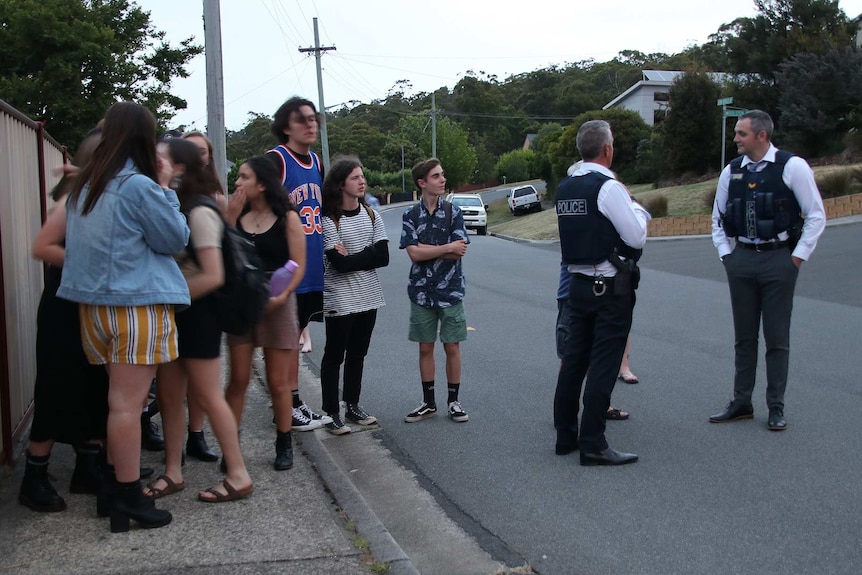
(338, 172)
(82, 158)
(129, 133)
(211, 166)
(196, 181)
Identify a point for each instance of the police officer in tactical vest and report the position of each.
(602, 233)
(768, 203)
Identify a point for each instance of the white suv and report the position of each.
(473, 209)
(524, 199)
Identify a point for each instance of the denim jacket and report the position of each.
(121, 253)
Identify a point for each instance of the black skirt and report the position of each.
(70, 395)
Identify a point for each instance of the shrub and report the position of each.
(657, 206)
(835, 184)
(516, 166)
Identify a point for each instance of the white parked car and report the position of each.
(524, 199)
(474, 210)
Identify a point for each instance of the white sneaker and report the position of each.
(424, 411)
(456, 413)
(302, 422)
(323, 419)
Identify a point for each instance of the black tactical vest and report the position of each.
(587, 237)
(759, 204)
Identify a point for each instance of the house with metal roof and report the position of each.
(649, 96)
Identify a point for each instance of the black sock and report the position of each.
(296, 401)
(453, 391)
(428, 392)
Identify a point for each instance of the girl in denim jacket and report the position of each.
(121, 231)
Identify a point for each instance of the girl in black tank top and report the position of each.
(271, 244)
(271, 223)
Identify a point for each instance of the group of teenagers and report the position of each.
(133, 254)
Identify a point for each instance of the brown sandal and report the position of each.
(170, 489)
(231, 495)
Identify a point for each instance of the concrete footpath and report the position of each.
(308, 520)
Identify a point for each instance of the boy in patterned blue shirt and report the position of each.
(435, 238)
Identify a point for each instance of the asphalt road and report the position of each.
(732, 498)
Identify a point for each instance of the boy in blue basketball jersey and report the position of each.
(295, 125)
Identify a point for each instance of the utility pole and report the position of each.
(318, 49)
(433, 126)
(215, 87)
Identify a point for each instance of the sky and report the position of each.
(430, 44)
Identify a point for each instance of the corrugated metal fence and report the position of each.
(27, 158)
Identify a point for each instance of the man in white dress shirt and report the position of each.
(767, 201)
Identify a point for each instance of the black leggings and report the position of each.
(347, 335)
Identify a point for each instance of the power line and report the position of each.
(546, 118)
(414, 72)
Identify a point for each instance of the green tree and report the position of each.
(360, 139)
(628, 129)
(691, 130)
(456, 155)
(755, 47)
(546, 135)
(516, 166)
(66, 61)
(253, 139)
(821, 99)
(782, 29)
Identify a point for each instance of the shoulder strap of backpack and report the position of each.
(210, 203)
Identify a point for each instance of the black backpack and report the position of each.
(239, 302)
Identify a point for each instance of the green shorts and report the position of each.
(423, 323)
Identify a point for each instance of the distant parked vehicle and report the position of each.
(473, 209)
(524, 199)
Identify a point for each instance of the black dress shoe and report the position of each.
(776, 420)
(607, 457)
(565, 448)
(732, 412)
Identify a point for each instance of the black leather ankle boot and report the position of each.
(151, 439)
(196, 446)
(37, 493)
(85, 478)
(283, 451)
(107, 491)
(131, 503)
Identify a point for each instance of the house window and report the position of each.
(660, 97)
